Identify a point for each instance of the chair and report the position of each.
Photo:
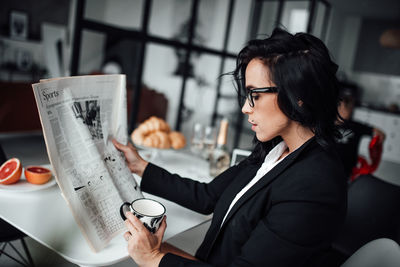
(9, 233)
(381, 252)
(238, 155)
(152, 103)
(373, 212)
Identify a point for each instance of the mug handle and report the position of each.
(121, 210)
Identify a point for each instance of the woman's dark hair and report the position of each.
(302, 69)
(349, 93)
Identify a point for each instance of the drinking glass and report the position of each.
(210, 136)
(197, 144)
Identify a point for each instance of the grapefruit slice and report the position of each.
(10, 171)
(37, 174)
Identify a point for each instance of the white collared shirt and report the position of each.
(270, 161)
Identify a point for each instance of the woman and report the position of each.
(352, 131)
(282, 205)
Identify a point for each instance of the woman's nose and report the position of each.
(246, 107)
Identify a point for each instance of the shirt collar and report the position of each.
(275, 153)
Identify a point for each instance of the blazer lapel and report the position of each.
(222, 207)
(267, 179)
(231, 191)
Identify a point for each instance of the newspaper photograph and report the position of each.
(80, 116)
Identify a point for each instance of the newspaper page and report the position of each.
(80, 116)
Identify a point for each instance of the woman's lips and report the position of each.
(253, 126)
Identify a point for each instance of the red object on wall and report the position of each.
(363, 166)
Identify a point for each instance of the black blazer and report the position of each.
(288, 218)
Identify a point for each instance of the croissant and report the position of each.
(155, 132)
(177, 140)
(153, 124)
(137, 136)
(157, 139)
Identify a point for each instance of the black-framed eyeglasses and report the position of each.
(250, 93)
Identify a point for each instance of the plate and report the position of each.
(151, 153)
(24, 186)
(142, 147)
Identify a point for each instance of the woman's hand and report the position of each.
(380, 133)
(143, 246)
(135, 162)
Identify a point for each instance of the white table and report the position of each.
(44, 215)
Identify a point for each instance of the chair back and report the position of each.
(3, 157)
(373, 212)
(381, 252)
(238, 155)
(8, 232)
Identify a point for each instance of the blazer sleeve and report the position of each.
(294, 241)
(194, 195)
(291, 244)
(362, 128)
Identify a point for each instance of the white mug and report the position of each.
(150, 212)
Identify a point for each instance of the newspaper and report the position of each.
(80, 116)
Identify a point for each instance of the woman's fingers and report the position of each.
(378, 132)
(116, 143)
(127, 235)
(132, 146)
(119, 146)
(135, 222)
(135, 163)
(129, 222)
(126, 149)
(135, 225)
(160, 232)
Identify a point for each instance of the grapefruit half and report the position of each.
(37, 174)
(10, 171)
